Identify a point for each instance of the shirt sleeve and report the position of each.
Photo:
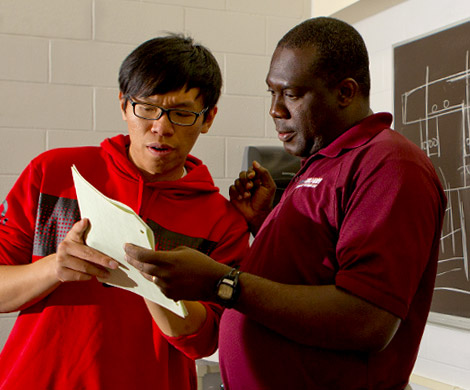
(391, 227)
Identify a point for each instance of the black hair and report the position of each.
(166, 64)
(340, 51)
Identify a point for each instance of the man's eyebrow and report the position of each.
(188, 104)
(285, 87)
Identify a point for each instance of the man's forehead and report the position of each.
(182, 96)
(298, 56)
(291, 65)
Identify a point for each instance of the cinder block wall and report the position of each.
(59, 64)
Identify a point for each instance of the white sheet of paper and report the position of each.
(112, 225)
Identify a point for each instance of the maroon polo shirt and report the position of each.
(364, 214)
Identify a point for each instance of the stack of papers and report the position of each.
(112, 225)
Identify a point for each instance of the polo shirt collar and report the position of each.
(359, 134)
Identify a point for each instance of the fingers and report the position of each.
(69, 249)
(149, 261)
(263, 175)
(74, 245)
(138, 254)
(77, 261)
(181, 273)
(242, 187)
(75, 270)
(155, 266)
(249, 181)
(145, 260)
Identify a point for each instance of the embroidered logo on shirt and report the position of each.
(310, 182)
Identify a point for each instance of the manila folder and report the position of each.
(112, 225)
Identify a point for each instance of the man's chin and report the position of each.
(292, 149)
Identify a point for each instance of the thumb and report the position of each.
(143, 254)
(79, 229)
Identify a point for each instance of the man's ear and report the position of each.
(348, 90)
(209, 119)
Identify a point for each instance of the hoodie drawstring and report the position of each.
(140, 195)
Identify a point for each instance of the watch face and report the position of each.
(225, 292)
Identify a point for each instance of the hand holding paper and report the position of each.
(112, 225)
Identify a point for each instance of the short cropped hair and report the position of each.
(340, 51)
(169, 63)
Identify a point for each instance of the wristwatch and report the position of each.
(228, 289)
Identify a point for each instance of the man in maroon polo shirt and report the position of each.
(337, 285)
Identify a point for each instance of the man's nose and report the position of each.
(278, 108)
(163, 126)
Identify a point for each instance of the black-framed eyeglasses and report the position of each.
(175, 115)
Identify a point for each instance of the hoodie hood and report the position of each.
(197, 179)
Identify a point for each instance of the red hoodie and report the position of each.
(86, 335)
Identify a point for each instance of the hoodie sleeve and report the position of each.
(230, 250)
(204, 342)
(17, 218)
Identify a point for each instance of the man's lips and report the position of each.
(159, 149)
(285, 136)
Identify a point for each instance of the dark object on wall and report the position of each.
(432, 108)
(208, 373)
(281, 165)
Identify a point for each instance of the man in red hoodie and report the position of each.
(74, 332)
